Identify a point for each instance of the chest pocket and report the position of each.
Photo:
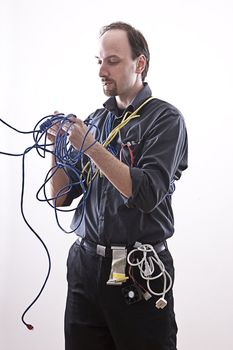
(130, 144)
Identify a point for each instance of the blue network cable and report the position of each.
(66, 157)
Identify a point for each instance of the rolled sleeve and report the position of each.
(162, 157)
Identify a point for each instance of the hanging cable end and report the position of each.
(161, 303)
(29, 326)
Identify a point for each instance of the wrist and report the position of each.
(93, 150)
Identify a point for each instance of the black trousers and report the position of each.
(97, 316)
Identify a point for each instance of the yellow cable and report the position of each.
(126, 118)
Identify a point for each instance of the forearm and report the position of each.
(112, 168)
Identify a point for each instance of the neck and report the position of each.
(124, 100)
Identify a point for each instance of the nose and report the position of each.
(102, 70)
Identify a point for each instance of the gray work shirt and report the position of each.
(154, 146)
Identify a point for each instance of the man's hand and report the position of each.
(52, 132)
(79, 136)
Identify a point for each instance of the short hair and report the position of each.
(137, 42)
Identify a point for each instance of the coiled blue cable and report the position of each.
(65, 158)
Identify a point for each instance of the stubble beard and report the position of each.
(111, 92)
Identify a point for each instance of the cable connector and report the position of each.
(161, 303)
(147, 295)
(137, 244)
(147, 270)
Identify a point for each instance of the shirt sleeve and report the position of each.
(77, 181)
(163, 157)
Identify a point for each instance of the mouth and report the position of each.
(109, 87)
(106, 82)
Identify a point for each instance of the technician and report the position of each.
(137, 150)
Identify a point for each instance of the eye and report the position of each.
(110, 61)
(113, 61)
(98, 60)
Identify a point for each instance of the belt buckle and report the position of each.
(101, 250)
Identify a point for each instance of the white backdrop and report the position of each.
(47, 63)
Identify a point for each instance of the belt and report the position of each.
(107, 251)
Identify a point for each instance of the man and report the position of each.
(109, 304)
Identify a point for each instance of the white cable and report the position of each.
(147, 267)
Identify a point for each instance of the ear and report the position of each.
(141, 63)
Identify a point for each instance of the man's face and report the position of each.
(117, 68)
